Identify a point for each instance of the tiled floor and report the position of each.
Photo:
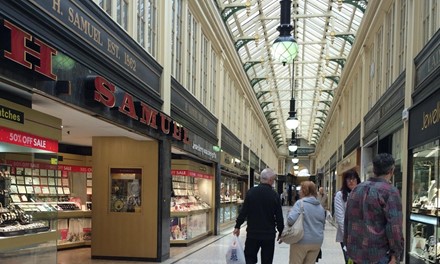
(213, 250)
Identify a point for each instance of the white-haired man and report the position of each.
(263, 213)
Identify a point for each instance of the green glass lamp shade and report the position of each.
(285, 49)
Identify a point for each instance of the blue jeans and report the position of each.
(384, 260)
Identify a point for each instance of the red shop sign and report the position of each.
(190, 173)
(19, 138)
(74, 168)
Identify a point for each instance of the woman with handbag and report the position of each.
(350, 180)
(307, 249)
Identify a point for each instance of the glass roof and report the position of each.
(325, 31)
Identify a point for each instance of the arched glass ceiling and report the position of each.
(325, 31)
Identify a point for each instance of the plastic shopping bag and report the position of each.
(235, 252)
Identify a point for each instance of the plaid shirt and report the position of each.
(373, 222)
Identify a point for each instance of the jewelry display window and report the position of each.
(189, 227)
(125, 190)
(230, 198)
(425, 204)
(187, 196)
(192, 194)
(229, 190)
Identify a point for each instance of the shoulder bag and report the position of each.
(293, 234)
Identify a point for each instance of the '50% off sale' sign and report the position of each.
(27, 140)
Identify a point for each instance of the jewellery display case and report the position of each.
(73, 225)
(424, 240)
(43, 191)
(27, 228)
(230, 199)
(190, 210)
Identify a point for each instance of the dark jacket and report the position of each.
(262, 211)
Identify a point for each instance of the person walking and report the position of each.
(373, 218)
(289, 195)
(307, 249)
(283, 198)
(263, 212)
(350, 179)
(322, 198)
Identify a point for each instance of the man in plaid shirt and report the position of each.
(373, 223)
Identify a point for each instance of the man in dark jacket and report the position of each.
(262, 211)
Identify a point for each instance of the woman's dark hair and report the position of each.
(350, 174)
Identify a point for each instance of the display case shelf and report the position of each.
(69, 245)
(74, 214)
(192, 212)
(426, 219)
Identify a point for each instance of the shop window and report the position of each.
(424, 236)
